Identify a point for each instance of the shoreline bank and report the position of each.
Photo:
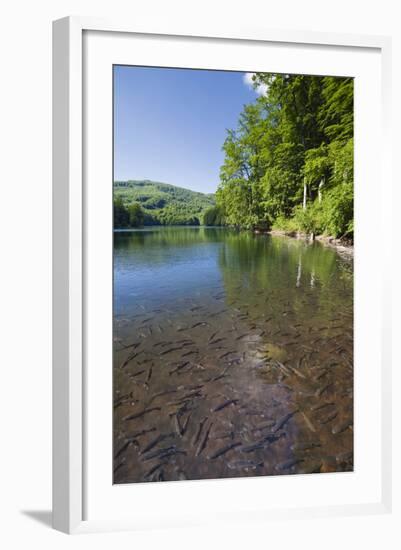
(343, 247)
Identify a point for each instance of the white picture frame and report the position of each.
(70, 258)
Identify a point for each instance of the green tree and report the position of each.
(136, 215)
(214, 216)
(120, 213)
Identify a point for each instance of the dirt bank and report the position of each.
(344, 247)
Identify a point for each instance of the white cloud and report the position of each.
(248, 79)
(260, 89)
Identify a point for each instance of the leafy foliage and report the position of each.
(120, 213)
(214, 216)
(293, 144)
(136, 214)
(131, 216)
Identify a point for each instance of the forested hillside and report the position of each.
(147, 202)
(289, 163)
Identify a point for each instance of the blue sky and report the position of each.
(170, 124)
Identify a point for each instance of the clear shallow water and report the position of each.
(232, 355)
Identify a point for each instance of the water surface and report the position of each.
(233, 355)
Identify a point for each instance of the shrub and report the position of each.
(339, 211)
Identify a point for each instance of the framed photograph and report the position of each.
(220, 353)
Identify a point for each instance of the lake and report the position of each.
(233, 355)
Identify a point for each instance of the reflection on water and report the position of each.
(233, 355)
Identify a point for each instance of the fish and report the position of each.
(133, 345)
(123, 448)
(224, 435)
(140, 433)
(308, 422)
(341, 427)
(195, 387)
(215, 378)
(204, 440)
(216, 341)
(224, 450)
(189, 353)
(141, 413)
(199, 431)
(329, 418)
(143, 361)
(320, 375)
(172, 452)
(162, 344)
(119, 465)
(160, 394)
(179, 367)
(283, 421)
(226, 354)
(321, 390)
(185, 341)
(298, 373)
(268, 425)
(141, 383)
(155, 442)
(123, 399)
(270, 438)
(225, 404)
(130, 358)
(305, 446)
(183, 408)
(189, 396)
(217, 313)
(200, 324)
(283, 368)
(159, 453)
(154, 469)
(185, 425)
(219, 376)
(170, 350)
(177, 423)
(136, 374)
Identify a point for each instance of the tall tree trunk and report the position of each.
(320, 190)
(304, 201)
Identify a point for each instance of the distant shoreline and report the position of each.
(144, 227)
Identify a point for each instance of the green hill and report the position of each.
(162, 203)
